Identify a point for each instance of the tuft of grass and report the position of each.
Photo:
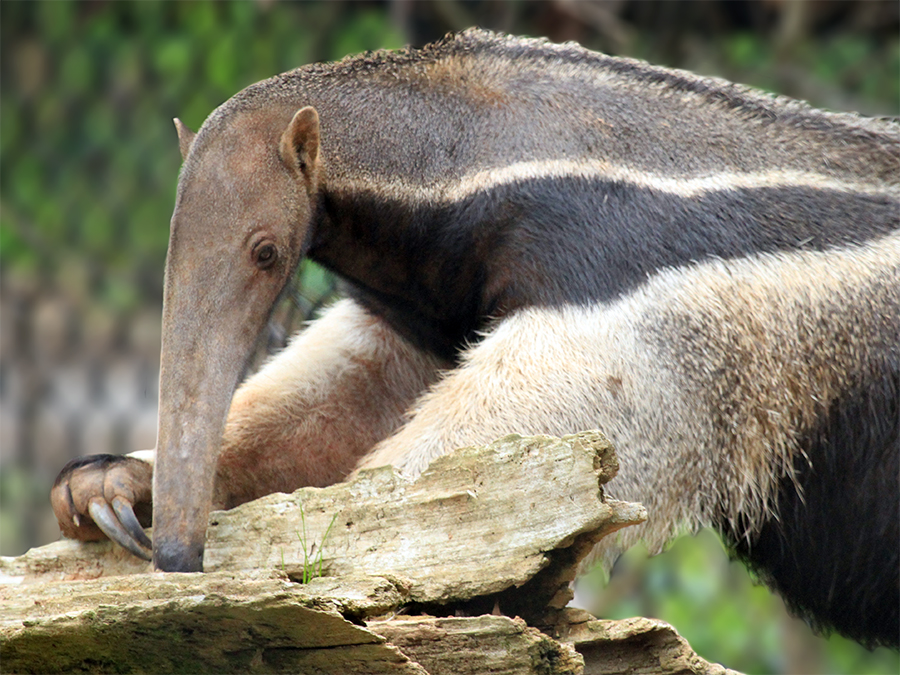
(312, 554)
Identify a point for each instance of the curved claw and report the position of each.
(106, 520)
(130, 522)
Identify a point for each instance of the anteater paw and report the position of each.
(101, 496)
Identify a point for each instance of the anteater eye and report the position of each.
(266, 255)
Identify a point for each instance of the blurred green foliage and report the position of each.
(90, 160)
(89, 152)
(89, 90)
(723, 612)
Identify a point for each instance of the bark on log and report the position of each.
(499, 645)
(188, 623)
(499, 528)
(638, 646)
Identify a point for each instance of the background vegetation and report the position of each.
(89, 163)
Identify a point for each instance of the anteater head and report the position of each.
(242, 214)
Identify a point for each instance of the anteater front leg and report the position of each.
(557, 372)
(315, 409)
(306, 418)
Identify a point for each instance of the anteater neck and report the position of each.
(413, 265)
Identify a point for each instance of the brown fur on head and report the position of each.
(241, 216)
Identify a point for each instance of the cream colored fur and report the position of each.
(306, 417)
(654, 371)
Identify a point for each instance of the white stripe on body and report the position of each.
(683, 186)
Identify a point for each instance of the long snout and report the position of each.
(183, 479)
(237, 232)
(203, 357)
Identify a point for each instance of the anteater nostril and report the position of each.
(173, 556)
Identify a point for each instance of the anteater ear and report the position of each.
(300, 142)
(185, 137)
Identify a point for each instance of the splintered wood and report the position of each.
(477, 522)
(500, 527)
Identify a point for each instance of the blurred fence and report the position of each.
(73, 380)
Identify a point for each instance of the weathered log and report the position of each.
(190, 623)
(639, 646)
(499, 645)
(477, 522)
(262, 622)
(500, 528)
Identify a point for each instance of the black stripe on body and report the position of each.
(833, 549)
(408, 265)
(440, 272)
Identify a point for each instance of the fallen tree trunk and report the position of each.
(464, 570)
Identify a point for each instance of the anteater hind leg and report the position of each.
(310, 413)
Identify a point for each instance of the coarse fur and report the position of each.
(540, 239)
(318, 394)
